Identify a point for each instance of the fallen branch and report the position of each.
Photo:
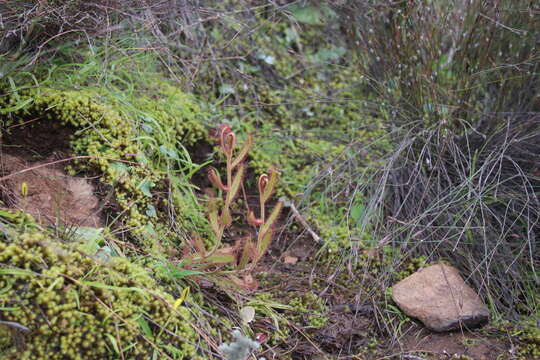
(302, 220)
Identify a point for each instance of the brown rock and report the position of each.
(440, 299)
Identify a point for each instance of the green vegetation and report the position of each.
(351, 144)
(78, 307)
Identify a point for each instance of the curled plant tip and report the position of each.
(263, 183)
(252, 220)
(227, 139)
(223, 130)
(270, 185)
(230, 142)
(215, 179)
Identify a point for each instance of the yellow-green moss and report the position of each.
(79, 308)
(309, 310)
(529, 337)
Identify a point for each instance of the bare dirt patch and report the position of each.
(474, 345)
(32, 179)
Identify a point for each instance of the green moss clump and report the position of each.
(309, 309)
(79, 308)
(529, 347)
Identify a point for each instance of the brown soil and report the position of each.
(52, 197)
(475, 345)
(27, 164)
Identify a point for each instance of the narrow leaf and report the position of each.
(264, 243)
(17, 107)
(247, 252)
(220, 259)
(7, 215)
(226, 217)
(16, 272)
(113, 342)
(198, 243)
(271, 219)
(15, 325)
(213, 217)
(244, 152)
(235, 187)
(145, 327)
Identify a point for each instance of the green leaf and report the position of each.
(219, 259)
(145, 185)
(92, 238)
(168, 152)
(179, 354)
(291, 36)
(213, 217)
(328, 55)
(151, 211)
(5, 290)
(264, 239)
(16, 272)
(104, 253)
(7, 215)
(310, 14)
(247, 251)
(145, 327)
(8, 308)
(53, 284)
(264, 242)
(147, 128)
(357, 211)
(16, 107)
(176, 273)
(113, 342)
(233, 191)
(119, 167)
(244, 152)
(226, 89)
(269, 59)
(149, 231)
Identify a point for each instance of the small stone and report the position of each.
(440, 299)
(291, 260)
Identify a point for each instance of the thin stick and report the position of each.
(61, 161)
(304, 223)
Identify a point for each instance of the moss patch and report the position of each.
(76, 307)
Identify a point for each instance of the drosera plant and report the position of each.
(245, 253)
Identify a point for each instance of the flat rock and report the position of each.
(440, 299)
